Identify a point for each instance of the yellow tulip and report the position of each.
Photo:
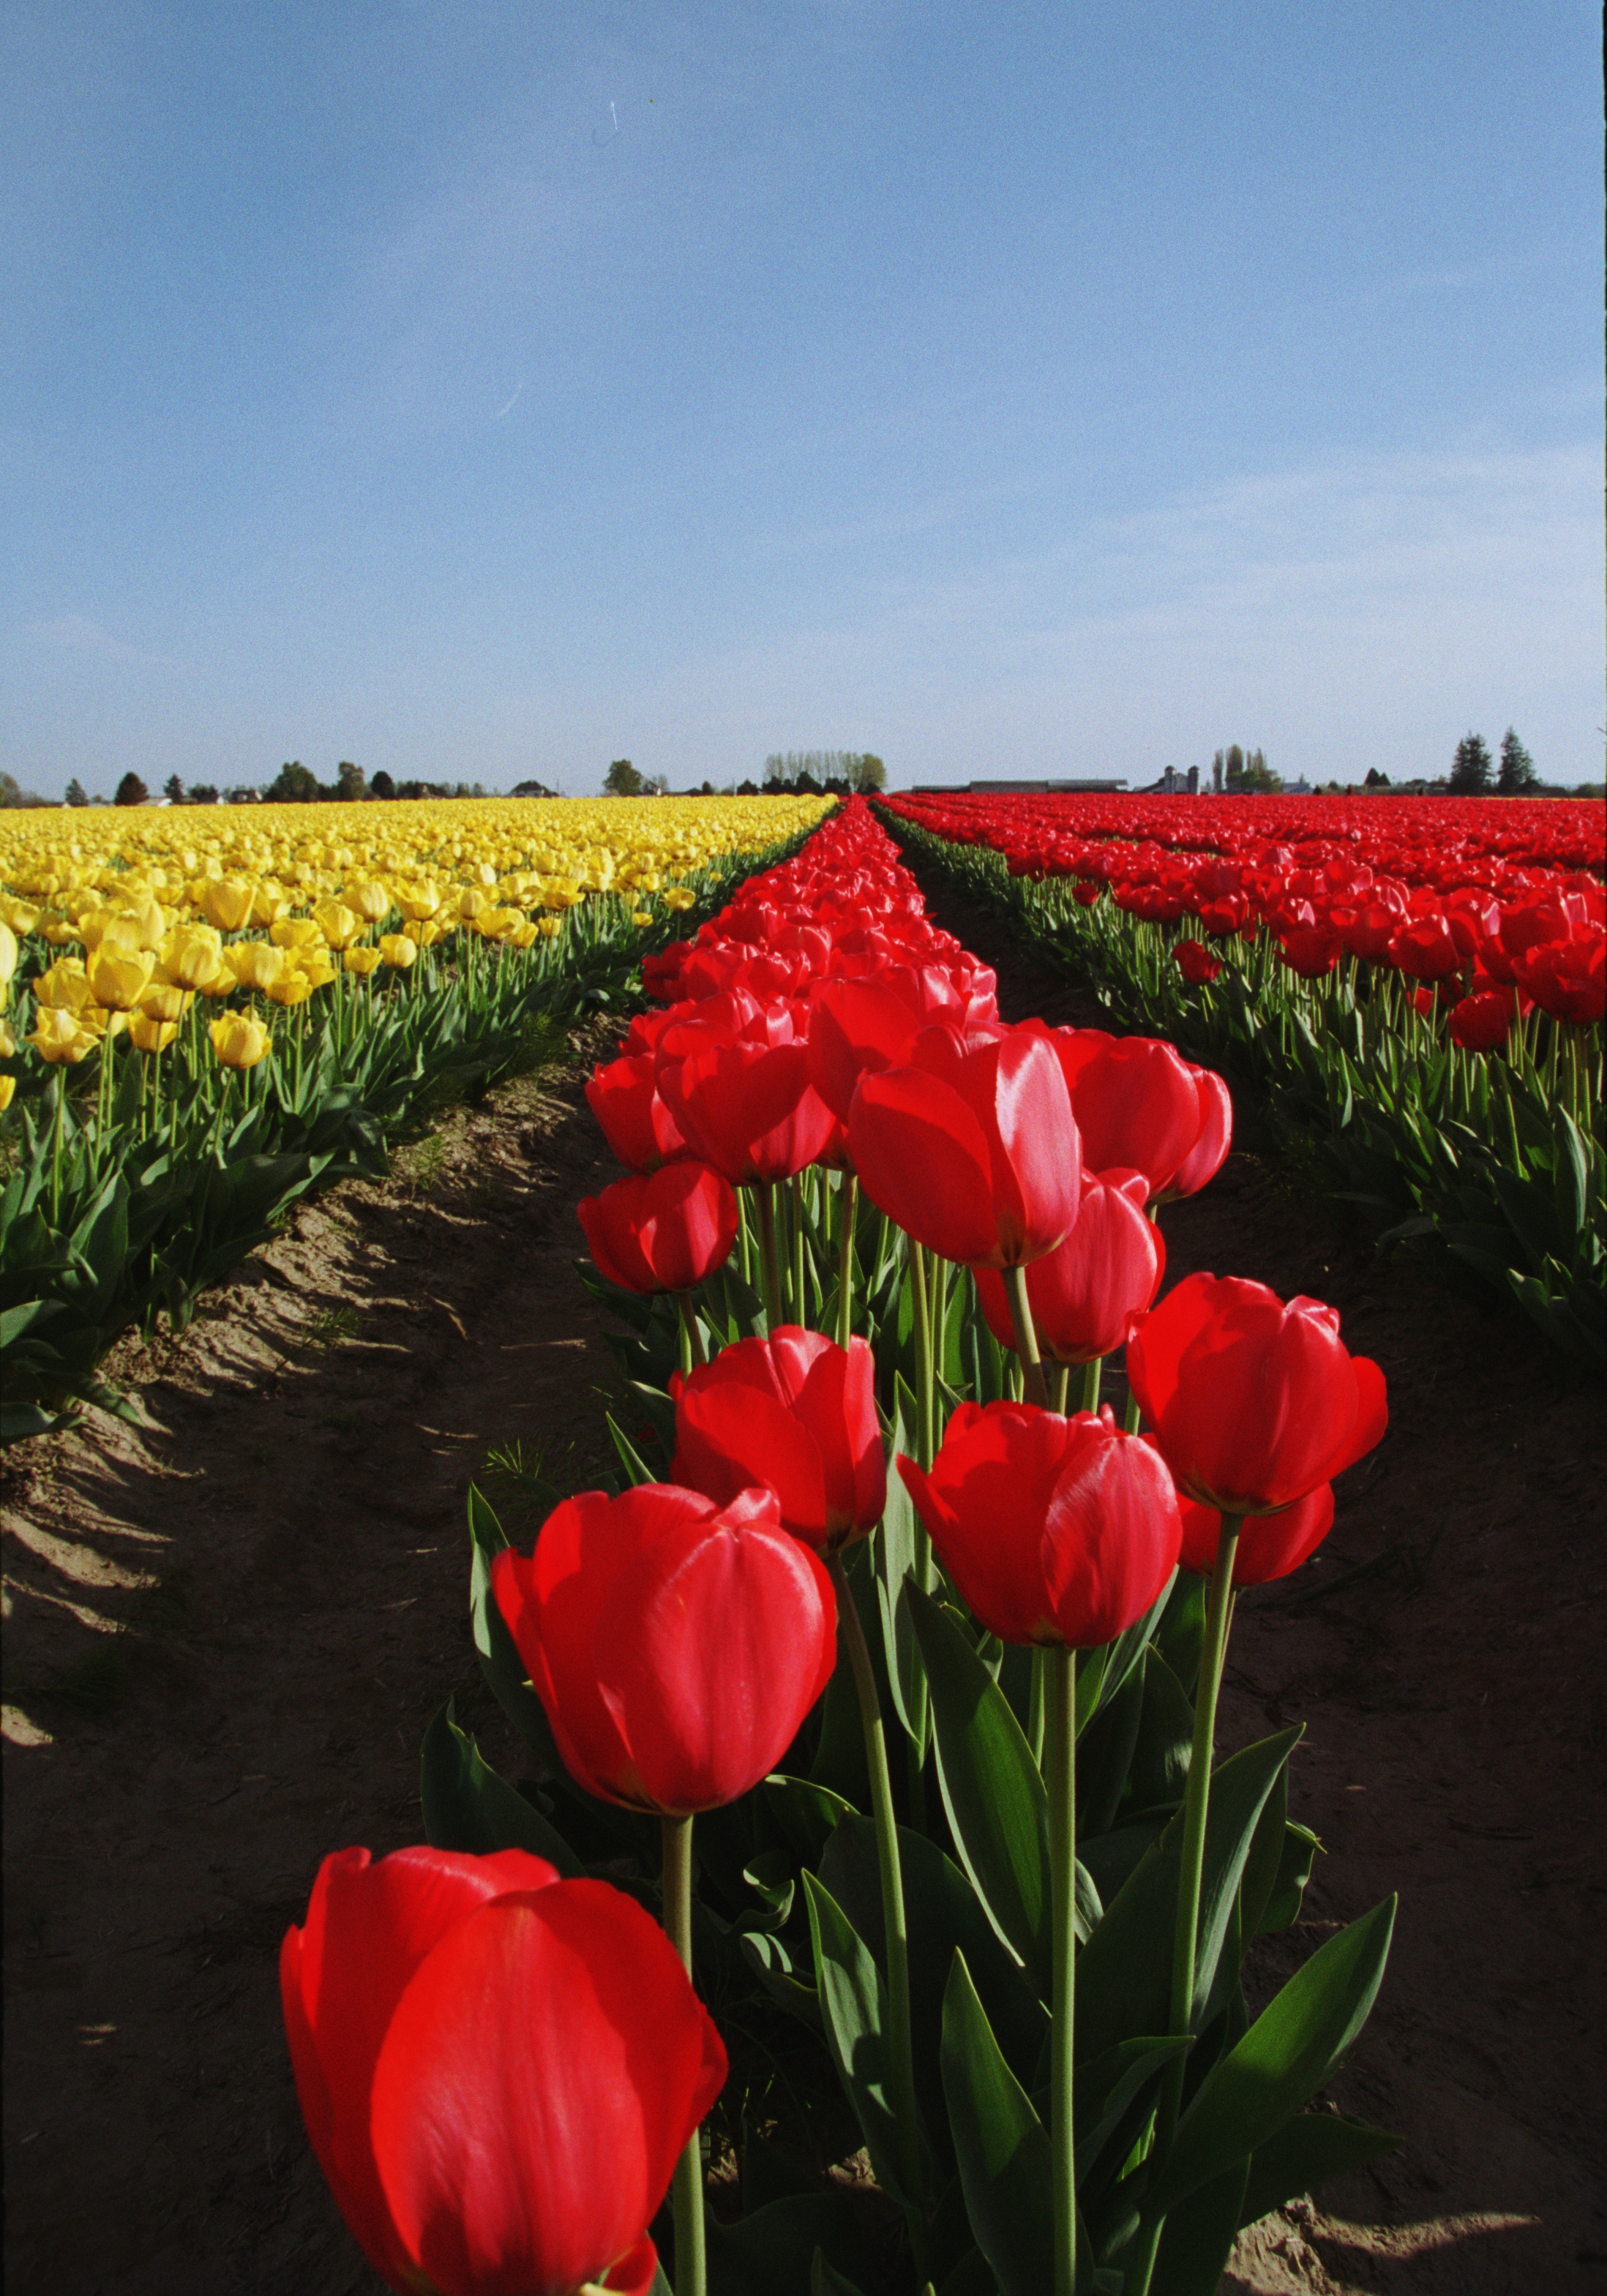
(8, 1043)
(497, 924)
(363, 961)
(429, 932)
(8, 954)
(640, 916)
(339, 924)
(255, 963)
(220, 983)
(238, 1039)
(189, 954)
(549, 928)
(119, 982)
(370, 898)
(678, 897)
(8, 1085)
(59, 1037)
(65, 987)
(399, 950)
(472, 903)
(227, 902)
(521, 935)
(163, 1002)
(149, 1035)
(291, 988)
(18, 917)
(561, 893)
(267, 904)
(417, 902)
(295, 932)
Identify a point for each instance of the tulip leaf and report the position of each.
(1266, 1855)
(992, 1790)
(824, 2280)
(853, 2004)
(630, 1458)
(1106, 2087)
(498, 1653)
(1159, 1772)
(468, 1807)
(972, 2276)
(1283, 2059)
(1312, 2146)
(768, 1959)
(773, 2250)
(1124, 1972)
(1199, 2236)
(895, 1547)
(1001, 2145)
(1299, 1849)
(807, 1812)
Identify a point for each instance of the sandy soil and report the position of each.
(223, 1637)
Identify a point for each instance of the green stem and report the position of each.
(764, 1198)
(1026, 1338)
(800, 1296)
(1091, 1372)
(691, 2268)
(1034, 1704)
(902, 2068)
(692, 1350)
(1061, 1668)
(1195, 1807)
(927, 1431)
(848, 1195)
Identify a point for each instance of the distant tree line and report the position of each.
(817, 770)
(1243, 771)
(1472, 773)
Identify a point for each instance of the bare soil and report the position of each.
(223, 1637)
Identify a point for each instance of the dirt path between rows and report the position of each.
(224, 1638)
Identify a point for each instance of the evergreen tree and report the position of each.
(76, 794)
(381, 786)
(173, 790)
(1517, 772)
(351, 783)
(131, 790)
(1470, 772)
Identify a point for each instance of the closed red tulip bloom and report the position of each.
(676, 1645)
(1270, 1545)
(1480, 1023)
(1254, 1403)
(1310, 951)
(497, 2069)
(1135, 1099)
(661, 1231)
(794, 1413)
(1195, 962)
(972, 1148)
(748, 1109)
(1215, 1137)
(856, 1028)
(625, 1100)
(1425, 949)
(1567, 978)
(1054, 1530)
(1086, 1295)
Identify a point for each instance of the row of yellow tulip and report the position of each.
(152, 898)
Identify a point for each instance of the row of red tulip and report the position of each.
(1463, 905)
(498, 2068)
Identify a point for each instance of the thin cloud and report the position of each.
(79, 634)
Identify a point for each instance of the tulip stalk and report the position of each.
(902, 2070)
(692, 1350)
(692, 2270)
(1219, 1617)
(1026, 1337)
(1061, 1703)
(849, 1198)
(764, 1198)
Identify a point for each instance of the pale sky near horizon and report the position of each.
(490, 390)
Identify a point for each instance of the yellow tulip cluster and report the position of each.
(151, 907)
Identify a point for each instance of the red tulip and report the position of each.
(1481, 1023)
(1209, 1153)
(1425, 948)
(661, 1231)
(1054, 1530)
(675, 1646)
(857, 1028)
(497, 2069)
(796, 1414)
(625, 1100)
(1195, 962)
(1311, 951)
(1140, 1106)
(1567, 978)
(1086, 1294)
(1270, 1545)
(748, 1109)
(1254, 1403)
(972, 1148)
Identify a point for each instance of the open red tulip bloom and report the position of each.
(497, 2069)
(1087, 1293)
(676, 1645)
(1054, 1530)
(1254, 1403)
(795, 1413)
(971, 1148)
(661, 1231)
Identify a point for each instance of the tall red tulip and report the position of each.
(748, 1109)
(661, 1231)
(856, 1028)
(972, 1147)
(1212, 1142)
(1140, 1106)
(497, 2069)
(676, 1645)
(1054, 1530)
(1254, 1403)
(1087, 1293)
(794, 1413)
(624, 1097)
(1270, 1545)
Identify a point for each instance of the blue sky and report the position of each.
(479, 389)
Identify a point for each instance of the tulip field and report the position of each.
(869, 1734)
(1417, 985)
(201, 1024)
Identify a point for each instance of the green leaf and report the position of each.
(468, 1807)
(1000, 2144)
(1124, 1972)
(853, 2004)
(1165, 1737)
(1107, 2085)
(772, 2252)
(1199, 2236)
(1570, 1181)
(1283, 2059)
(498, 1653)
(1304, 2151)
(1266, 1855)
(807, 1812)
(894, 1547)
(824, 2280)
(1282, 1908)
(992, 1790)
